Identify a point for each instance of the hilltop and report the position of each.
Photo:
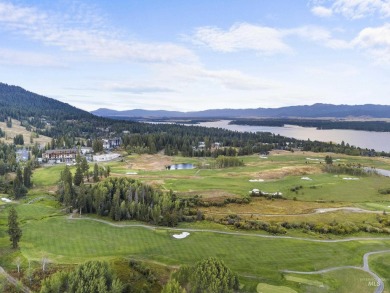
(304, 111)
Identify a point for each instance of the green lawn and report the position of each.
(47, 176)
(266, 288)
(341, 281)
(380, 263)
(74, 241)
(46, 232)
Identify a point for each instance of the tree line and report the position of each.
(18, 185)
(125, 199)
(336, 228)
(380, 126)
(209, 275)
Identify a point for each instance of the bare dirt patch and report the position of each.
(287, 171)
(149, 162)
(157, 183)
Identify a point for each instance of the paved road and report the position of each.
(14, 281)
(229, 233)
(379, 283)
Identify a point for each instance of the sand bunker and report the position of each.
(347, 209)
(350, 178)
(310, 159)
(306, 178)
(6, 199)
(181, 235)
(287, 171)
(131, 173)
(256, 180)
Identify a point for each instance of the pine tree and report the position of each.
(78, 176)
(213, 276)
(15, 233)
(96, 173)
(19, 189)
(85, 167)
(27, 173)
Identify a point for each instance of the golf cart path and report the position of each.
(378, 289)
(14, 281)
(150, 227)
(379, 283)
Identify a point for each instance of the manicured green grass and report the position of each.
(380, 264)
(266, 288)
(303, 280)
(235, 181)
(74, 241)
(47, 176)
(382, 206)
(342, 281)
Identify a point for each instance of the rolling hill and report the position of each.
(304, 111)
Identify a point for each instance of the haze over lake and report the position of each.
(379, 141)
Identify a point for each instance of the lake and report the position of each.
(181, 166)
(379, 141)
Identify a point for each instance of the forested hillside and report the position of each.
(20, 104)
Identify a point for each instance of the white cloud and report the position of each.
(376, 41)
(84, 33)
(354, 9)
(322, 11)
(264, 40)
(241, 36)
(229, 79)
(318, 35)
(16, 57)
(138, 88)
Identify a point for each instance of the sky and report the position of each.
(197, 54)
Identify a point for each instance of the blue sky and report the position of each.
(198, 54)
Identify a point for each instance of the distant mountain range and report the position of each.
(305, 111)
(21, 104)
